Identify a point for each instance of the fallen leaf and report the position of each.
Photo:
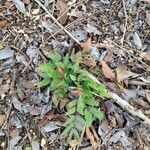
(90, 136)
(86, 46)
(35, 145)
(122, 73)
(6, 53)
(90, 62)
(73, 143)
(2, 119)
(119, 119)
(51, 126)
(35, 111)
(148, 18)
(20, 6)
(139, 103)
(13, 142)
(27, 85)
(20, 93)
(112, 122)
(92, 29)
(62, 7)
(107, 72)
(137, 41)
(3, 24)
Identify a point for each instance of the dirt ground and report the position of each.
(116, 35)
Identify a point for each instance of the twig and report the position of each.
(134, 82)
(67, 26)
(56, 21)
(24, 69)
(125, 26)
(112, 42)
(125, 105)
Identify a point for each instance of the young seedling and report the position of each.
(66, 77)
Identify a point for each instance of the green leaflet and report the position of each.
(68, 121)
(80, 106)
(54, 56)
(44, 82)
(88, 117)
(97, 113)
(71, 104)
(71, 111)
(67, 130)
(91, 101)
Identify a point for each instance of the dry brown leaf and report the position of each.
(73, 143)
(27, 85)
(148, 18)
(2, 119)
(60, 70)
(62, 7)
(90, 136)
(3, 24)
(122, 73)
(113, 122)
(139, 103)
(107, 72)
(86, 46)
(119, 119)
(90, 62)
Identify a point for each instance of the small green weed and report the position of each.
(65, 77)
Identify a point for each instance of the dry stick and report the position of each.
(56, 21)
(125, 105)
(129, 53)
(66, 27)
(125, 26)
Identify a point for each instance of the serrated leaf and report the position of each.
(80, 122)
(68, 121)
(80, 106)
(76, 134)
(71, 104)
(91, 101)
(80, 119)
(44, 82)
(97, 113)
(20, 6)
(88, 117)
(66, 130)
(55, 56)
(71, 111)
(70, 136)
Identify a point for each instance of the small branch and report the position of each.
(56, 21)
(125, 26)
(125, 105)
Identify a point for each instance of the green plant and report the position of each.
(65, 76)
